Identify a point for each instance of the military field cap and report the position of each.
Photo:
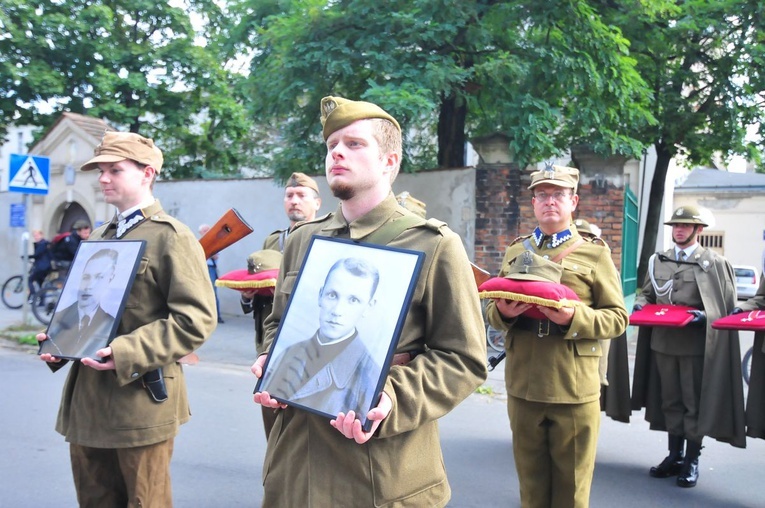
(582, 226)
(117, 146)
(337, 113)
(302, 180)
(687, 215)
(530, 266)
(562, 176)
(80, 224)
(263, 260)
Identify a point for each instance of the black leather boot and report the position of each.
(672, 463)
(690, 472)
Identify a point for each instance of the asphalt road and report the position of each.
(219, 453)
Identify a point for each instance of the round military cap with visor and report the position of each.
(117, 146)
(687, 215)
(337, 113)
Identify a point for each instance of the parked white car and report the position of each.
(747, 281)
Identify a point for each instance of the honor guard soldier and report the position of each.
(755, 399)
(698, 390)
(551, 373)
(301, 203)
(440, 357)
(120, 416)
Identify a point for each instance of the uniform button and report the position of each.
(134, 375)
(593, 349)
(575, 267)
(575, 334)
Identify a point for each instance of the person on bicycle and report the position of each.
(66, 248)
(755, 399)
(41, 264)
(689, 378)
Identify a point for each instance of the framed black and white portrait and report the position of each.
(335, 342)
(93, 297)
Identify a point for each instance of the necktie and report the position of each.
(681, 255)
(84, 322)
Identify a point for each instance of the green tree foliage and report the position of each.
(547, 74)
(705, 63)
(139, 64)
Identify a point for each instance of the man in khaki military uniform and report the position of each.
(699, 390)
(551, 372)
(440, 357)
(301, 203)
(121, 437)
(755, 399)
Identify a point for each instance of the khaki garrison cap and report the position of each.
(562, 176)
(337, 113)
(118, 146)
(302, 180)
(530, 266)
(262, 260)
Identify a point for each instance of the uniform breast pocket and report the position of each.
(140, 290)
(581, 271)
(288, 284)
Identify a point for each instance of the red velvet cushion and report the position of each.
(671, 316)
(754, 320)
(546, 294)
(262, 282)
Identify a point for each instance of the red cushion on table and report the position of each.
(262, 282)
(754, 321)
(671, 316)
(546, 294)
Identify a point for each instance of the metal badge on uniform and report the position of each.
(549, 172)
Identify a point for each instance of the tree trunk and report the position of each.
(653, 217)
(451, 132)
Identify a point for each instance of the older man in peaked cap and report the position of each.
(551, 371)
(439, 360)
(120, 412)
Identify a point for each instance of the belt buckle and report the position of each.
(543, 331)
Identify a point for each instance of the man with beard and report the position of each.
(689, 378)
(440, 356)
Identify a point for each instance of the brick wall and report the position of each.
(504, 212)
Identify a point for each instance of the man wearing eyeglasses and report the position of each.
(551, 373)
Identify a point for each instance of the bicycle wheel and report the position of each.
(14, 292)
(44, 303)
(746, 365)
(495, 339)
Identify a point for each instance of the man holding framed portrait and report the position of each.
(440, 356)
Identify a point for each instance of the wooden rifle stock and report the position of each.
(229, 229)
(479, 274)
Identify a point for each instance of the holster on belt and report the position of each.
(154, 382)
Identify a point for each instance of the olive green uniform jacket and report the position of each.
(755, 400)
(563, 369)
(169, 313)
(721, 410)
(308, 462)
(261, 305)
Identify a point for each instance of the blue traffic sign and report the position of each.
(18, 215)
(29, 174)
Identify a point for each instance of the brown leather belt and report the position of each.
(541, 327)
(404, 358)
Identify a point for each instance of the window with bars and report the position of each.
(714, 241)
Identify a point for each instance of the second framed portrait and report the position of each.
(335, 342)
(93, 297)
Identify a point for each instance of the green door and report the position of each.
(629, 243)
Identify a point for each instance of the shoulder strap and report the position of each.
(390, 230)
(568, 251)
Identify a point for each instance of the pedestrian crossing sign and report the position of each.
(29, 173)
